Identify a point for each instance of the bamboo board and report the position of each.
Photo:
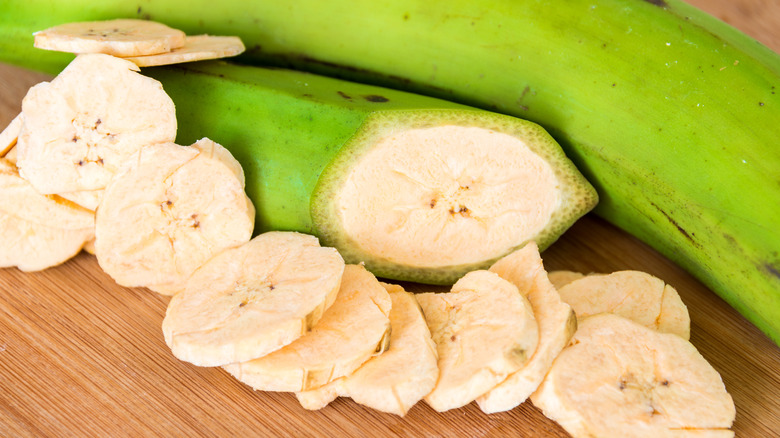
(81, 356)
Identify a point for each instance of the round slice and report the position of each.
(430, 197)
(252, 300)
(79, 128)
(354, 328)
(635, 295)
(397, 379)
(195, 48)
(619, 378)
(170, 210)
(484, 330)
(121, 37)
(428, 208)
(9, 135)
(556, 320)
(38, 231)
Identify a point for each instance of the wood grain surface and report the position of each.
(81, 356)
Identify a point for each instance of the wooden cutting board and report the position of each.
(82, 356)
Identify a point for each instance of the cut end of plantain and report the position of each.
(428, 196)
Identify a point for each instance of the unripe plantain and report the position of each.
(673, 115)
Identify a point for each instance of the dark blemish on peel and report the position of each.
(344, 95)
(375, 98)
(682, 230)
(773, 270)
(660, 3)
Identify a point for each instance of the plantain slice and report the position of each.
(633, 294)
(168, 211)
(395, 380)
(83, 125)
(556, 320)
(89, 199)
(562, 278)
(195, 48)
(38, 231)
(10, 156)
(10, 134)
(620, 378)
(351, 331)
(254, 299)
(120, 37)
(484, 330)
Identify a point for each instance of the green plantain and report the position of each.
(673, 115)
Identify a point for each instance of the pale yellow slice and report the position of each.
(395, 380)
(636, 295)
(252, 300)
(38, 231)
(121, 37)
(556, 321)
(10, 134)
(10, 156)
(195, 48)
(352, 330)
(484, 330)
(168, 211)
(619, 378)
(562, 278)
(89, 199)
(81, 127)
